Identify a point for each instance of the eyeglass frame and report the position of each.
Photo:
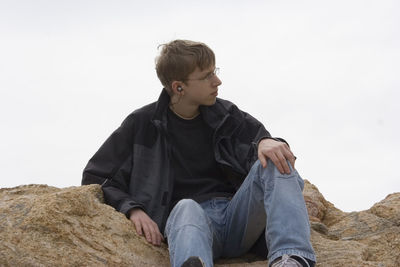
(208, 77)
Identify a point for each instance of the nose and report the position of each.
(216, 81)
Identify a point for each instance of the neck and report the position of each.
(185, 113)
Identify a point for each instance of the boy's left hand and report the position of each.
(277, 152)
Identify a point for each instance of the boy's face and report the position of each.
(202, 87)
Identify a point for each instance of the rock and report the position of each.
(48, 226)
(366, 238)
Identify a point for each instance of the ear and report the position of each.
(175, 85)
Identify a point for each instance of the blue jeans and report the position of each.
(221, 227)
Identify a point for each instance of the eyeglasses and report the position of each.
(208, 77)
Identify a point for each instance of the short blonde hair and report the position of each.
(179, 58)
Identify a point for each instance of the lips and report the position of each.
(215, 93)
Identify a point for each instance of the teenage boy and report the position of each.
(194, 169)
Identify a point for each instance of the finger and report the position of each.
(277, 163)
(292, 162)
(290, 156)
(157, 233)
(160, 238)
(287, 147)
(263, 160)
(147, 233)
(153, 235)
(138, 227)
(284, 163)
(157, 237)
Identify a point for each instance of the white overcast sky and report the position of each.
(324, 75)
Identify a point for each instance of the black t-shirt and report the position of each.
(196, 173)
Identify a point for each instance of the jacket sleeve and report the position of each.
(111, 167)
(258, 129)
(255, 131)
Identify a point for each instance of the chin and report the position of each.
(210, 102)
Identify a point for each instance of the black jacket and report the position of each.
(133, 164)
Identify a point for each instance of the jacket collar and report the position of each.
(213, 115)
(161, 107)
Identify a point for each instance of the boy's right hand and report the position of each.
(143, 223)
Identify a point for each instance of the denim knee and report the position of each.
(185, 206)
(187, 212)
(263, 174)
(266, 176)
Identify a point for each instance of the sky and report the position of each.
(324, 75)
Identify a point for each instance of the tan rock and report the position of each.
(47, 226)
(366, 238)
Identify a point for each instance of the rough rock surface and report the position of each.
(48, 226)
